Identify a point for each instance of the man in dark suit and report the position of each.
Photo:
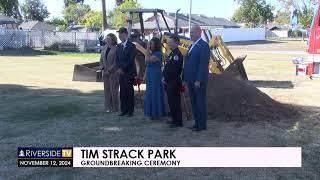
(125, 62)
(195, 75)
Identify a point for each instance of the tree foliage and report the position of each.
(10, 8)
(306, 17)
(74, 12)
(119, 2)
(305, 10)
(69, 2)
(282, 17)
(34, 10)
(253, 12)
(117, 18)
(92, 19)
(58, 22)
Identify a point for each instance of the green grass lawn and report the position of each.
(42, 107)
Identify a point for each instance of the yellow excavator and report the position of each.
(221, 60)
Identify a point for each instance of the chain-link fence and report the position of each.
(45, 39)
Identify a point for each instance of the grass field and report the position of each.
(42, 107)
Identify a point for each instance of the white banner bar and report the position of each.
(187, 157)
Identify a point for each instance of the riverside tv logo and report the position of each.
(45, 157)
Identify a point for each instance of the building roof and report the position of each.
(8, 20)
(202, 20)
(183, 22)
(150, 23)
(140, 10)
(37, 25)
(80, 28)
(272, 26)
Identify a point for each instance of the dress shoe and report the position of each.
(122, 114)
(114, 111)
(130, 115)
(192, 127)
(170, 122)
(174, 126)
(196, 130)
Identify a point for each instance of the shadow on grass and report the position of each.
(273, 84)
(31, 104)
(64, 117)
(26, 52)
(36, 104)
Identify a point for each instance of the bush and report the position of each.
(52, 47)
(295, 33)
(23, 48)
(55, 46)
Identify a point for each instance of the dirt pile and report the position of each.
(238, 100)
(233, 100)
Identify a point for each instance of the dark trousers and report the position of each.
(174, 101)
(126, 93)
(199, 104)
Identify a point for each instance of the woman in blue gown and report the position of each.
(154, 101)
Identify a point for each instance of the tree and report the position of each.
(282, 17)
(119, 2)
(253, 12)
(306, 17)
(69, 2)
(117, 18)
(58, 22)
(92, 19)
(104, 17)
(10, 8)
(74, 12)
(34, 10)
(305, 10)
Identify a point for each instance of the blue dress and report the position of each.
(154, 100)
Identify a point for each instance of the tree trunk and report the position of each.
(16, 10)
(104, 15)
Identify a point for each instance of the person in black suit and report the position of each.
(125, 62)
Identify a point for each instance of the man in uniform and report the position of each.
(172, 81)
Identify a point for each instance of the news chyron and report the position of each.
(45, 157)
(159, 157)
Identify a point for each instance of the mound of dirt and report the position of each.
(230, 99)
(233, 99)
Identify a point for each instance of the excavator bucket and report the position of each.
(224, 61)
(87, 72)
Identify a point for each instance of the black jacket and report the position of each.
(173, 68)
(125, 59)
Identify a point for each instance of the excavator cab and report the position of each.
(221, 60)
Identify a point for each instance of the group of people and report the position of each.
(119, 69)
